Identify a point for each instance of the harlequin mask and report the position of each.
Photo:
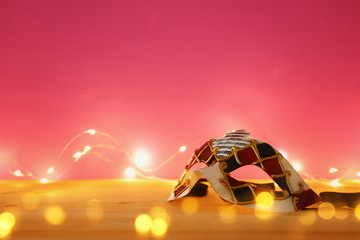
(234, 150)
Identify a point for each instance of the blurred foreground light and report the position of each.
(4, 229)
(189, 205)
(159, 227)
(182, 149)
(55, 215)
(94, 210)
(333, 170)
(297, 166)
(50, 170)
(18, 173)
(358, 174)
(228, 214)
(30, 201)
(341, 213)
(261, 214)
(130, 172)
(335, 183)
(159, 212)
(8, 219)
(357, 211)
(326, 210)
(142, 158)
(43, 180)
(91, 131)
(143, 223)
(264, 200)
(307, 217)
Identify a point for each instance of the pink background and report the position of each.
(161, 74)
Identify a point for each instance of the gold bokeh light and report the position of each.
(326, 210)
(7, 222)
(261, 213)
(55, 215)
(94, 210)
(159, 212)
(159, 227)
(264, 200)
(341, 213)
(228, 214)
(189, 206)
(307, 217)
(357, 211)
(143, 223)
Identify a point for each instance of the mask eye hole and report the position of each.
(250, 172)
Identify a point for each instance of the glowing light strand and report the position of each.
(142, 170)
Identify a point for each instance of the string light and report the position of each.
(91, 131)
(86, 149)
(182, 149)
(158, 225)
(129, 172)
(77, 155)
(18, 173)
(50, 170)
(142, 158)
(335, 183)
(44, 181)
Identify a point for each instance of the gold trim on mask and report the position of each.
(195, 158)
(225, 182)
(284, 174)
(295, 200)
(260, 161)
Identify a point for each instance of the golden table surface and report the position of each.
(107, 209)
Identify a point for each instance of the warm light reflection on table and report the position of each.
(138, 209)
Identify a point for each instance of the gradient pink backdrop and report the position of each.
(161, 74)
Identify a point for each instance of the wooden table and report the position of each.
(107, 209)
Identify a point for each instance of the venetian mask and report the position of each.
(224, 155)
